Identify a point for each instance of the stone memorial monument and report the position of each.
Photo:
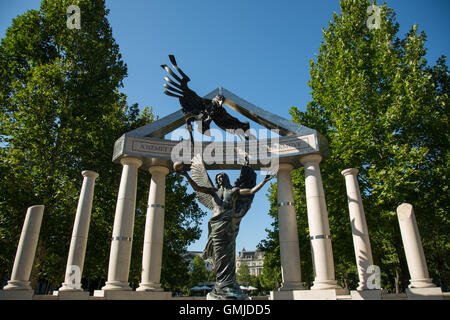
(146, 148)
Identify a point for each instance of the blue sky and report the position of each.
(259, 50)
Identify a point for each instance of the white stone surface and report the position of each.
(319, 229)
(122, 236)
(80, 233)
(365, 294)
(132, 295)
(23, 294)
(324, 294)
(288, 232)
(72, 295)
(154, 231)
(360, 232)
(424, 293)
(412, 243)
(26, 250)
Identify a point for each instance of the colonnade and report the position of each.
(122, 235)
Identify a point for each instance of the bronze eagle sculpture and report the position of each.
(200, 109)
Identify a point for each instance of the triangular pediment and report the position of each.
(169, 123)
(148, 144)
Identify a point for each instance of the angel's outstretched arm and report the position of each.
(195, 186)
(256, 188)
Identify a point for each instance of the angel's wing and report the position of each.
(201, 177)
(247, 178)
(178, 88)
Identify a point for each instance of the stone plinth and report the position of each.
(72, 295)
(366, 294)
(424, 293)
(24, 294)
(324, 294)
(132, 295)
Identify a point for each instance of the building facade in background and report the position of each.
(253, 259)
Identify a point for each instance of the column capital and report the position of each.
(131, 161)
(161, 169)
(311, 158)
(285, 166)
(89, 173)
(348, 171)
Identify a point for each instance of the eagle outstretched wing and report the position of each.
(178, 88)
(204, 110)
(201, 177)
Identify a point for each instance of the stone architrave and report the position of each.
(77, 251)
(360, 232)
(318, 223)
(26, 251)
(122, 237)
(289, 247)
(154, 231)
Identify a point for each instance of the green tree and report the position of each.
(198, 273)
(384, 111)
(243, 273)
(60, 113)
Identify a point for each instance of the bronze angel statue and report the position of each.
(229, 205)
(200, 109)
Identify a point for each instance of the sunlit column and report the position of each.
(122, 236)
(77, 251)
(154, 231)
(319, 229)
(360, 232)
(287, 222)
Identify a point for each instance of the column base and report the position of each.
(149, 287)
(292, 285)
(17, 285)
(116, 286)
(132, 295)
(421, 283)
(366, 294)
(71, 294)
(70, 288)
(18, 294)
(424, 293)
(325, 285)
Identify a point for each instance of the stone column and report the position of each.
(77, 251)
(154, 231)
(288, 232)
(122, 236)
(361, 241)
(26, 250)
(319, 229)
(412, 243)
